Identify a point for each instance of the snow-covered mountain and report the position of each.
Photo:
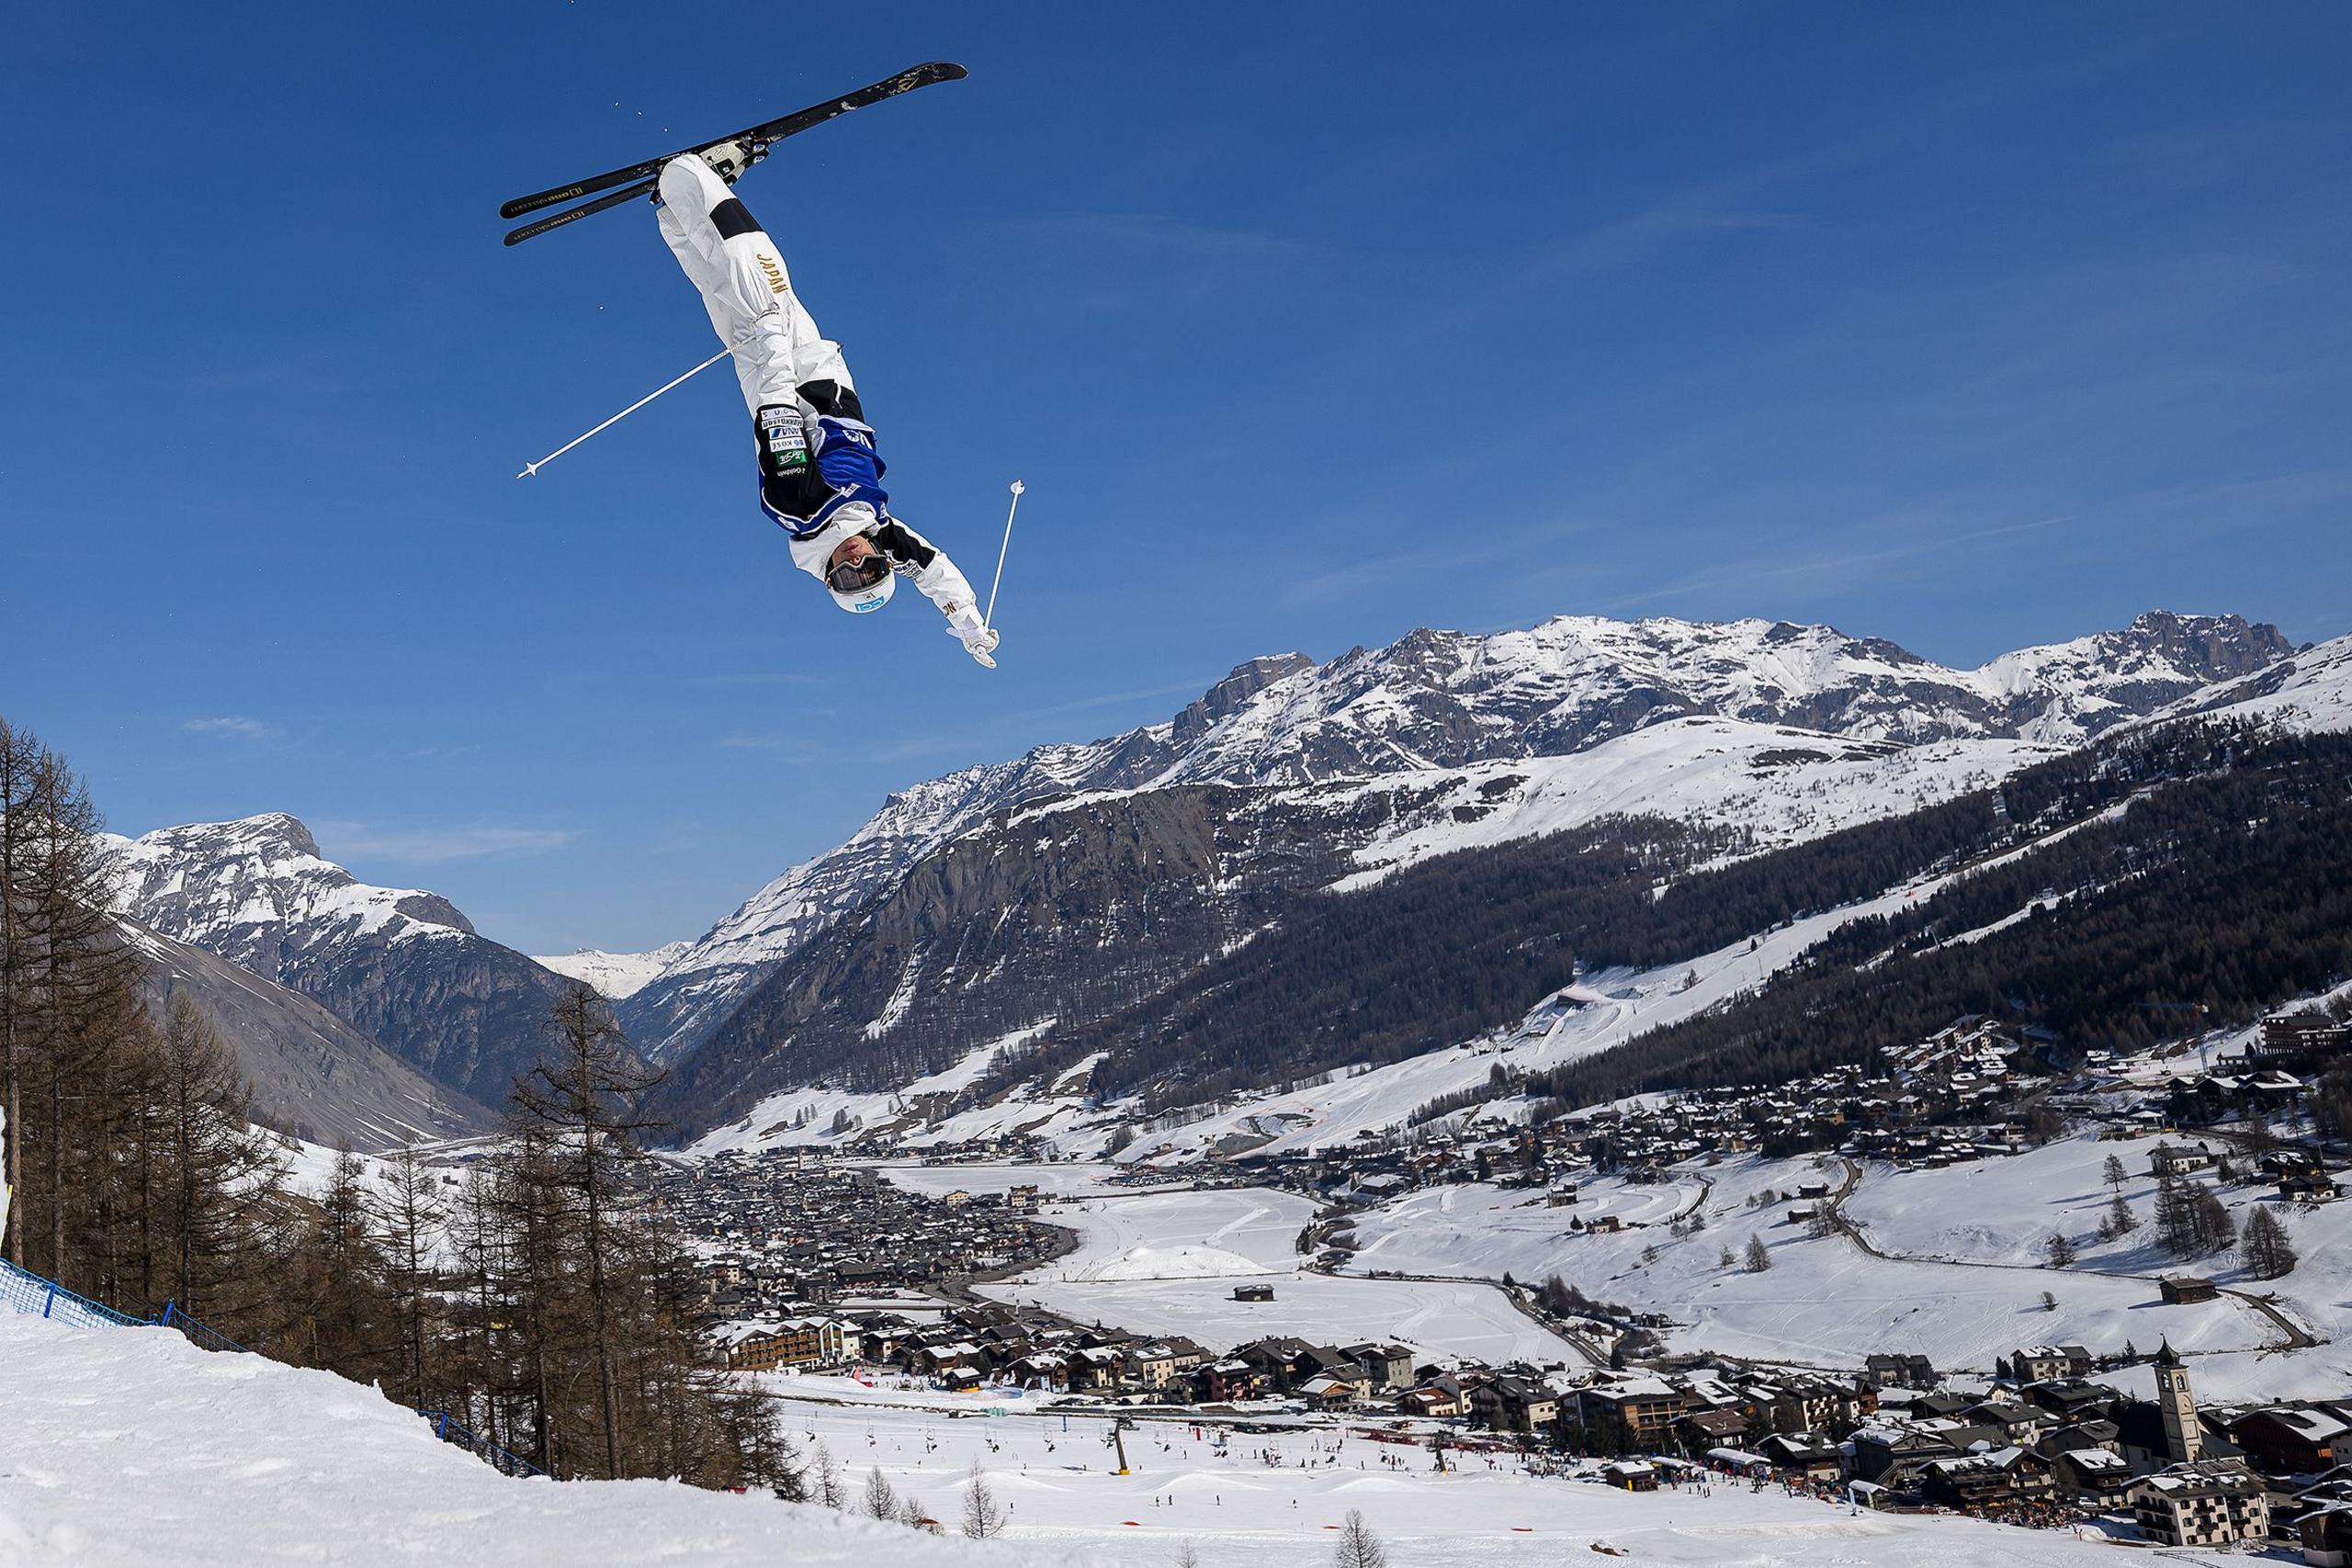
(614, 974)
(400, 964)
(1438, 700)
(2311, 691)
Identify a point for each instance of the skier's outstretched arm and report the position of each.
(937, 579)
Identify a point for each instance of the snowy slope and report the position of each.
(2312, 691)
(614, 974)
(1446, 700)
(1823, 1302)
(1782, 786)
(131, 1446)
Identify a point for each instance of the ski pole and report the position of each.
(530, 468)
(989, 619)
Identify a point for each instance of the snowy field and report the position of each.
(1823, 1302)
(2002, 1213)
(130, 1447)
(1167, 1263)
(1259, 1501)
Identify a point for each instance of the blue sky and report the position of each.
(1306, 324)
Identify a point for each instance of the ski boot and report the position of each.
(728, 160)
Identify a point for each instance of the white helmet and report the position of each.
(862, 592)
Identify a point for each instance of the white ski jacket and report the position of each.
(782, 359)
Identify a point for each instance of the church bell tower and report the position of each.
(2183, 1439)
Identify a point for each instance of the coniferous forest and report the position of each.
(525, 1294)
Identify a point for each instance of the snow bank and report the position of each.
(131, 1446)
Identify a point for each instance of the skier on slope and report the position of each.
(820, 476)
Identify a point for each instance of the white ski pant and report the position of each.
(741, 275)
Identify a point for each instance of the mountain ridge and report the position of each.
(1437, 699)
(402, 965)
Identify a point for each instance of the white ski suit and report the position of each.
(784, 363)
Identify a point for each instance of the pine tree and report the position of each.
(982, 1515)
(2060, 1250)
(2209, 1221)
(825, 1485)
(2114, 1174)
(1726, 1260)
(1758, 1258)
(409, 1207)
(2120, 1220)
(577, 1101)
(881, 1501)
(1357, 1546)
(2176, 1218)
(2269, 1253)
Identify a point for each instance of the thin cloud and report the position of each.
(240, 725)
(434, 846)
(746, 740)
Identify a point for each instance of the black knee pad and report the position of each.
(833, 400)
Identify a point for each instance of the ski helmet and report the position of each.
(862, 592)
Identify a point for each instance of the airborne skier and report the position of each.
(820, 474)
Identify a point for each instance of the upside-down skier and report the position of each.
(820, 475)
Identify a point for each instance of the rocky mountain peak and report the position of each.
(1223, 699)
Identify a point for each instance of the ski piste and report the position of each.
(639, 179)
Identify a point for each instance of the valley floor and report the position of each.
(1167, 1263)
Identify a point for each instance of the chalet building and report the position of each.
(2048, 1363)
(2326, 1532)
(1701, 1432)
(2002, 1478)
(2179, 1290)
(1381, 1366)
(793, 1342)
(1808, 1455)
(2309, 1186)
(1153, 1365)
(2212, 1502)
(2178, 1159)
(1439, 1398)
(2069, 1399)
(2097, 1478)
(2295, 1440)
(1221, 1383)
(1896, 1456)
(1253, 1292)
(1899, 1372)
(1631, 1474)
(1324, 1391)
(1512, 1404)
(1629, 1412)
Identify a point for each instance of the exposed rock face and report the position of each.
(1437, 699)
(1078, 912)
(312, 1074)
(401, 966)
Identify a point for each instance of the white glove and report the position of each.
(978, 641)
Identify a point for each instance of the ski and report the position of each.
(532, 231)
(757, 139)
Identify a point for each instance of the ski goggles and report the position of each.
(851, 575)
